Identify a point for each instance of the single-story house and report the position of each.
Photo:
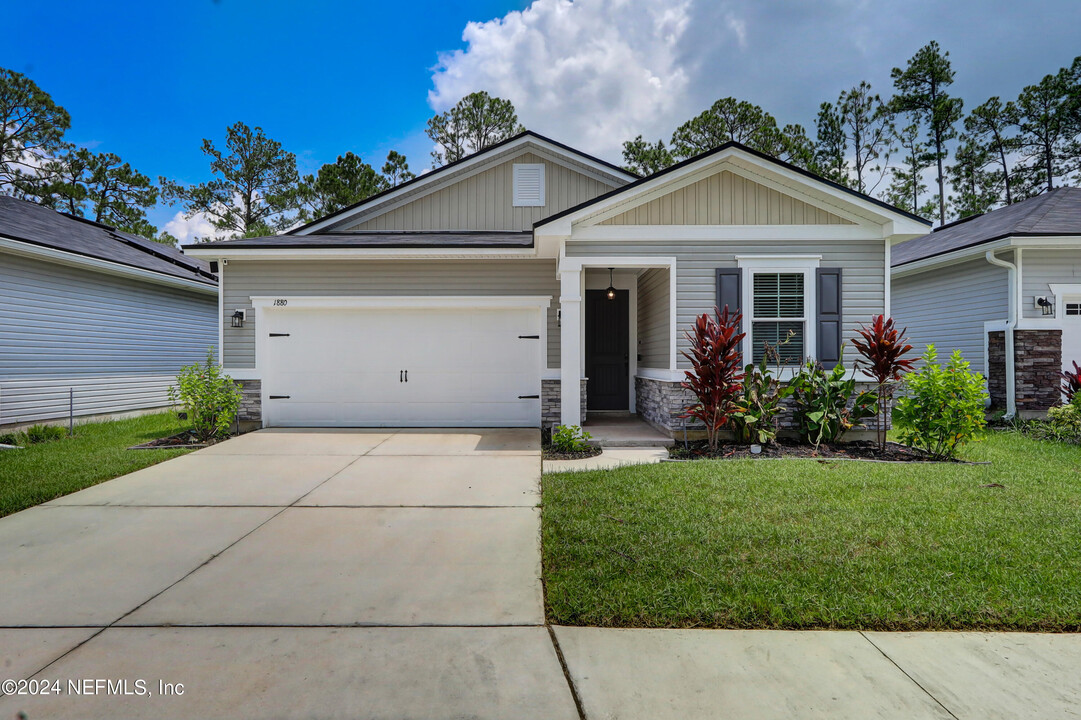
(94, 320)
(531, 284)
(1004, 288)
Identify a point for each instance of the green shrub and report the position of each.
(944, 408)
(9, 439)
(758, 405)
(822, 399)
(43, 433)
(210, 399)
(570, 439)
(1063, 424)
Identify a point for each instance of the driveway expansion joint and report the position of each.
(907, 675)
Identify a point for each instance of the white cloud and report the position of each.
(189, 230)
(591, 73)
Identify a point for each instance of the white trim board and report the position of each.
(399, 301)
(62, 257)
(318, 253)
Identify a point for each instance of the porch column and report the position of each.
(570, 350)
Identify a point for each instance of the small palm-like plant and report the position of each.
(882, 348)
(715, 377)
(1071, 382)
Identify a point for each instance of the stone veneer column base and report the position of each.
(1037, 364)
(250, 414)
(662, 402)
(550, 402)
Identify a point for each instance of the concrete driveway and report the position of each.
(396, 574)
(291, 573)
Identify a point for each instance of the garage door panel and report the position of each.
(343, 367)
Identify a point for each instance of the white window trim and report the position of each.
(765, 264)
(518, 202)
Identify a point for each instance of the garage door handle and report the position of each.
(279, 397)
(401, 374)
(279, 334)
(529, 397)
(529, 337)
(407, 376)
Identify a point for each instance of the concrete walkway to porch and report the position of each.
(612, 430)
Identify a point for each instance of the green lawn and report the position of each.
(821, 544)
(98, 452)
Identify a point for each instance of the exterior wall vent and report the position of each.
(528, 184)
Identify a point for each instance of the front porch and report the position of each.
(618, 339)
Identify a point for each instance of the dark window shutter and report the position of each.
(729, 289)
(828, 316)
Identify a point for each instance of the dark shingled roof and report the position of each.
(35, 224)
(1056, 212)
(429, 239)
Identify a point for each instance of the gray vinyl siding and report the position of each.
(118, 342)
(654, 300)
(1040, 268)
(949, 306)
(244, 279)
(484, 201)
(863, 264)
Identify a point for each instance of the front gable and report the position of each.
(725, 198)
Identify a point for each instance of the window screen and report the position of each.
(779, 316)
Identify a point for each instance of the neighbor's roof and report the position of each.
(35, 224)
(1056, 212)
(425, 239)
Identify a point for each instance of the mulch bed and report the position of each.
(181, 440)
(895, 452)
(548, 454)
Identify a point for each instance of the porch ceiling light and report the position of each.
(611, 286)
(1046, 306)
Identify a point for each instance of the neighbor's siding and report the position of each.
(244, 279)
(725, 198)
(1040, 268)
(484, 201)
(697, 261)
(654, 300)
(949, 306)
(118, 342)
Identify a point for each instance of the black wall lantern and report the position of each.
(238, 319)
(1046, 306)
(611, 287)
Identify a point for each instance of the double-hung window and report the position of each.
(779, 306)
(779, 315)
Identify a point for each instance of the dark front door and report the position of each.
(607, 358)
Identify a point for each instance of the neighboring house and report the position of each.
(92, 315)
(1004, 288)
(530, 284)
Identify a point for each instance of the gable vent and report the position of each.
(528, 184)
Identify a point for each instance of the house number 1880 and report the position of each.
(280, 302)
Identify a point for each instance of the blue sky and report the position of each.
(148, 81)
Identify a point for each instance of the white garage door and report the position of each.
(1071, 332)
(395, 367)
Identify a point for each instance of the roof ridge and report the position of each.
(1051, 199)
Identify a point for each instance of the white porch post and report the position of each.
(570, 352)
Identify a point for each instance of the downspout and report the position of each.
(1011, 324)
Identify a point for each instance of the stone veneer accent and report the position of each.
(661, 402)
(996, 369)
(1037, 364)
(551, 404)
(251, 401)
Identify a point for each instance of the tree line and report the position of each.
(1002, 152)
(255, 188)
(997, 154)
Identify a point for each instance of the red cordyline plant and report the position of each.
(1071, 382)
(882, 348)
(715, 377)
